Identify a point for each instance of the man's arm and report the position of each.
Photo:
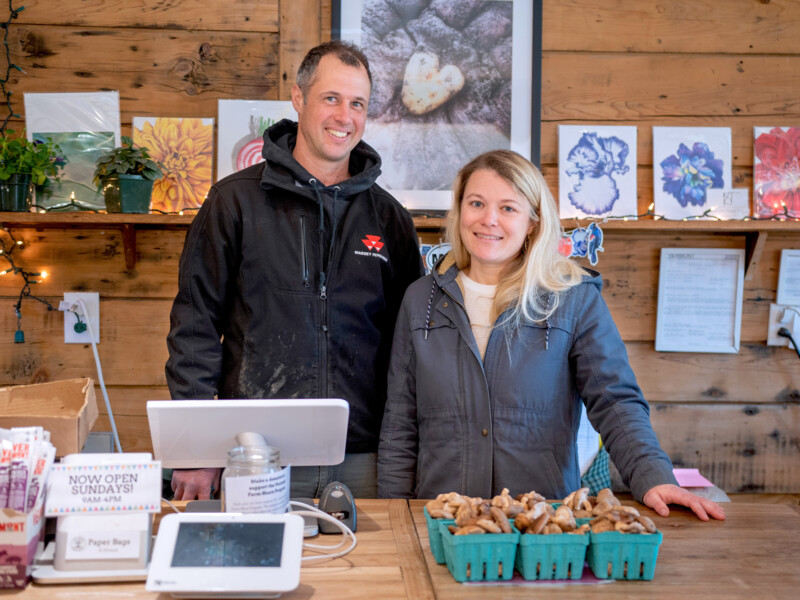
(197, 324)
(197, 320)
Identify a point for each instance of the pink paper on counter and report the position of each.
(691, 478)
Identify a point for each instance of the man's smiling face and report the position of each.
(332, 116)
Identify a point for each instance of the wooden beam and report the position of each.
(754, 249)
(237, 15)
(129, 245)
(300, 30)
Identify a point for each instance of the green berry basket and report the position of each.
(484, 557)
(554, 556)
(632, 556)
(435, 536)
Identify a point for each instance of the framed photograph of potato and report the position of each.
(451, 79)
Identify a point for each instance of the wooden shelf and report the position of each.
(92, 220)
(755, 231)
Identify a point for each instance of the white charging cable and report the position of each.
(310, 511)
(81, 303)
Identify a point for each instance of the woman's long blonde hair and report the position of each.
(532, 282)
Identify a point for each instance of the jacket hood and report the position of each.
(282, 170)
(446, 271)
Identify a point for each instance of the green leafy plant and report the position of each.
(126, 160)
(42, 160)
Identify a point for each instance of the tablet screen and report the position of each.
(209, 544)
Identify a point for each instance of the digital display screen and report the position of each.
(228, 545)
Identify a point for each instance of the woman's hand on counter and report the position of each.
(660, 496)
(194, 484)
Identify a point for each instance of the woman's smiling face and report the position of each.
(495, 220)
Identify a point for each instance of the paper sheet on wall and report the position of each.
(700, 300)
(789, 278)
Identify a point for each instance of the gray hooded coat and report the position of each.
(456, 423)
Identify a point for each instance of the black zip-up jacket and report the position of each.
(290, 289)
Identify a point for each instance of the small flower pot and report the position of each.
(127, 194)
(16, 193)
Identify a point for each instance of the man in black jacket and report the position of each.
(293, 272)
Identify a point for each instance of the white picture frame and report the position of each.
(597, 171)
(700, 292)
(688, 162)
(789, 278)
(85, 125)
(240, 132)
(386, 138)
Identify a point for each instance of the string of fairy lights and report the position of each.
(12, 14)
(29, 278)
(9, 244)
(780, 215)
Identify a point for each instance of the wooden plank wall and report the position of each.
(688, 63)
(670, 62)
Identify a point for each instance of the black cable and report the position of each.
(783, 332)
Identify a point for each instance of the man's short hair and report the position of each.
(348, 53)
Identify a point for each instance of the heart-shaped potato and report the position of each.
(425, 87)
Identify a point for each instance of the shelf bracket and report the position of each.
(129, 244)
(756, 240)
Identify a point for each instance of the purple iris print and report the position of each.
(688, 175)
(595, 159)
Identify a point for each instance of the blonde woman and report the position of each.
(495, 350)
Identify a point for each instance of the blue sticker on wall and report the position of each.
(432, 253)
(582, 242)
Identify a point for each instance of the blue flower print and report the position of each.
(688, 175)
(595, 160)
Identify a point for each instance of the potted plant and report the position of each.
(126, 175)
(24, 164)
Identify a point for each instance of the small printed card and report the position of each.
(268, 493)
(691, 478)
(103, 545)
(133, 487)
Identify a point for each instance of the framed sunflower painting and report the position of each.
(185, 149)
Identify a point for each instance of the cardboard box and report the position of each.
(20, 534)
(67, 409)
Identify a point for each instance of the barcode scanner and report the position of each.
(337, 501)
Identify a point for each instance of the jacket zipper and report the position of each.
(304, 251)
(323, 296)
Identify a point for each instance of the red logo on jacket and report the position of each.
(373, 242)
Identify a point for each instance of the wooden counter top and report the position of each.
(387, 564)
(752, 555)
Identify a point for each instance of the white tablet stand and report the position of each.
(199, 433)
(192, 434)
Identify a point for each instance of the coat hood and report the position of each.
(283, 171)
(446, 270)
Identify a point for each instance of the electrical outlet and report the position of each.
(73, 334)
(782, 315)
